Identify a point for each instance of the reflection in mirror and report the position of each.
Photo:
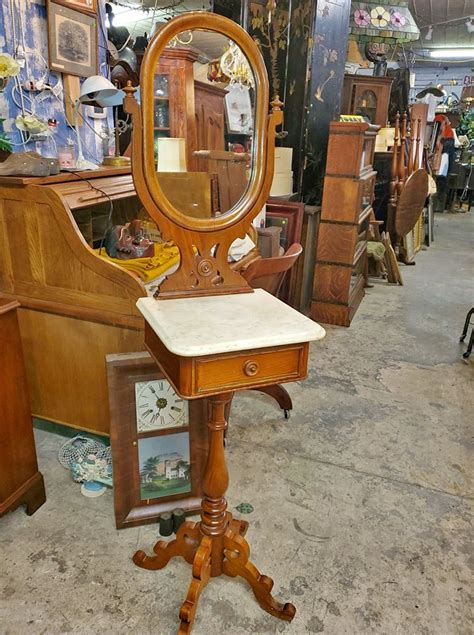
(204, 101)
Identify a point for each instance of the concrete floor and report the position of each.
(362, 501)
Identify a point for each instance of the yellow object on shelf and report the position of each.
(351, 118)
(166, 255)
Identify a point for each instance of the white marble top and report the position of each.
(190, 327)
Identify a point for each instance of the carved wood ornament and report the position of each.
(203, 243)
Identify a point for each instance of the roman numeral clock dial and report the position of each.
(158, 406)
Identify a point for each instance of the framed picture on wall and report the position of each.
(87, 6)
(159, 442)
(72, 41)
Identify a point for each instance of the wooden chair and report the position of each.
(268, 274)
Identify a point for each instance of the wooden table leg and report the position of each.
(237, 563)
(214, 546)
(186, 543)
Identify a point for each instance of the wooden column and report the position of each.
(214, 519)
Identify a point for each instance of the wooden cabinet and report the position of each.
(341, 255)
(210, 120)
(186, 108)
(174, 112)
(368, 96)
(20, 481)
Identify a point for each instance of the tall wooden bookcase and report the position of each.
(341, 257)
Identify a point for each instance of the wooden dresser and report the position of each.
(20, 481)
(341, 255)
(210, 118)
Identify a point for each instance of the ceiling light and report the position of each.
(429, 33)
(455, 54)
(125, 16)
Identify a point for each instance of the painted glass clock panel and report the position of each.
(158, 407)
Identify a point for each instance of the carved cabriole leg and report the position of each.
(201, 575)
(279, 393)
(185, 545)
(237, 563)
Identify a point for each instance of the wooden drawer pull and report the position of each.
(251, 368)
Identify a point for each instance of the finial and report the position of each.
(129, 89)
(276, 104)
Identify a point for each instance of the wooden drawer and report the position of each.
(331, 283)
(336, 243)
(214, 374)
(248, 368)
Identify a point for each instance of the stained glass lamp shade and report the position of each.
(382, 21)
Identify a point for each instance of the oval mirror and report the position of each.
(203, 145)
(204, 96)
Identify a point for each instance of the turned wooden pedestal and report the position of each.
(209, 358)
(215, 545)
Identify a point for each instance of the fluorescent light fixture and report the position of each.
(454, 54)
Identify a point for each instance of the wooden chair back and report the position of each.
(268, 273)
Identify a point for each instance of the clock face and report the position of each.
(158, 406)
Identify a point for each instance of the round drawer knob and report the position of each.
(251, 368)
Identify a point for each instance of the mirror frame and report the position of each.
(208, 272)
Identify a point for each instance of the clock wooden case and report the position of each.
(368, 96)
(159, 442)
